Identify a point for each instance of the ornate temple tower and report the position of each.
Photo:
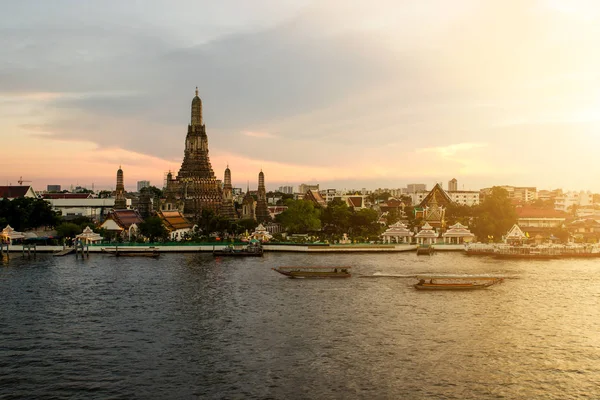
(196, 186)
(248, 205)
(262, 209)
(120, 201)
(227, 207)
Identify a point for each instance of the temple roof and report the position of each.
(355, 201)
(427, 232)
(515, 233)
(89, 234)
(125, 218)
(13, 192)
(537, 212)
(67, 196)
(436, 195)
(397, 229)
(174, 220)
(458, 230)
(315, 196)
(10, 233)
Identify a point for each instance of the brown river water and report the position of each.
(187, 326)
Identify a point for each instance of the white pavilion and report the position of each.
(9, 234)
(427, 235)
(458, 234)
(261, 233)
(397, 233)
(515, 235)
(89, 236)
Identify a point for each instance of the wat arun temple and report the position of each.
(196, 188)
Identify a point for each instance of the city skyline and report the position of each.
(501, 93)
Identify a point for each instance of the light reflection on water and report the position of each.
(188, 325)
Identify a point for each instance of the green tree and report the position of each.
(301, 216)
(383, 196)
(153, 228)
(243, 225)
(459, 213)
(393, 216)
(26, 213)
(336, 217)
(364, 223)
(154, 192)
(68, 229)
(495, 216)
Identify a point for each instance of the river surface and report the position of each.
(187, 326)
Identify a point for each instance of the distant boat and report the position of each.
(132, 252)
(455, 283)
(314, 272)
(252, 250)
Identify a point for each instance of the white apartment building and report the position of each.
(465, 197)
(570, 199)
(462, 197)
(93, 207)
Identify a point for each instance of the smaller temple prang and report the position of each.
(262, 208)
(120, 200)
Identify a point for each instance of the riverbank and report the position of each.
(208, 248)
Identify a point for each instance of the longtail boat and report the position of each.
(314, 272)
(456, 283)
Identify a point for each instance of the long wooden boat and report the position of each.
(248, 251)
(314, 272)
(132, 252)
(463, 283)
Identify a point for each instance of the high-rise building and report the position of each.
(120, 200)
(286, 189)
(262, 208)
(416, 187)
(453, 185)
(303, 188)
(196, 187)
(53, 188)
(142, 184)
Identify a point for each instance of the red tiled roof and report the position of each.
(536, 212)
(174, 220)
(125, 218)
(392, 203)
(13, 192)
(316, 197)
(355, 201)
(67, 195)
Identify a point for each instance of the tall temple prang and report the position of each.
(120, 200)
(262, 208)
(227, 207)
(196, 187)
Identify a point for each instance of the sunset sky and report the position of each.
(345, 94)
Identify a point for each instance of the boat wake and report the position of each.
(386, 275)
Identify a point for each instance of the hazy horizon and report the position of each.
(368, 95)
